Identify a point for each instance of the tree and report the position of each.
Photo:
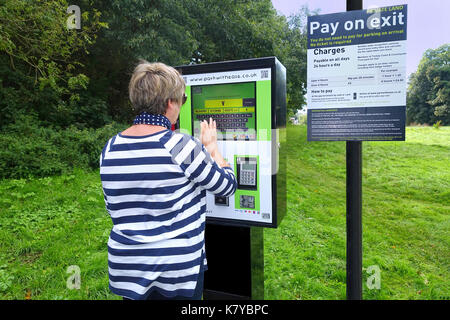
(81, 76)
(292, 51)
(180, 32)
(39, 60)
(428, 98)
(294, 54)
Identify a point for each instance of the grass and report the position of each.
(48, 225)
(406, 197)
(52, 223)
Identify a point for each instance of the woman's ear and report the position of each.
(172, 110)
(171, 105)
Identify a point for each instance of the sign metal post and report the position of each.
(354, 207)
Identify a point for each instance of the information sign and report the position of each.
(357, 75)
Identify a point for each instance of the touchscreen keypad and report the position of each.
(228, 121)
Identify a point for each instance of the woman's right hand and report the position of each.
(208, 135)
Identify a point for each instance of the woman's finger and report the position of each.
(202, 129)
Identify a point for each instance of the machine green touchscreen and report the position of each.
(232, 106)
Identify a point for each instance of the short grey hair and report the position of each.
(152, 85)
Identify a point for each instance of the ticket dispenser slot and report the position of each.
(221, 201)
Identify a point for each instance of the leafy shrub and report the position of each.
(29, 150)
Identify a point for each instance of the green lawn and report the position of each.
(49, 224)
(406, 211)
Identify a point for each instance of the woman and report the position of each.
(154, 182)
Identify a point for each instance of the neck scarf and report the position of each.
(156, 120)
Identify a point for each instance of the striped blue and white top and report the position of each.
(155, 192)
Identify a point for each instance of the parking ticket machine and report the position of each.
(247, 99)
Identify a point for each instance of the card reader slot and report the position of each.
(221, 201)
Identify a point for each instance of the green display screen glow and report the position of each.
(232, 106)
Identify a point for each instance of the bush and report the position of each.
(30, 150)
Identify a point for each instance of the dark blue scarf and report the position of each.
(157, 120)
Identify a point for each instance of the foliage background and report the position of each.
(57, 85)
(428, 99)
(65, 80)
